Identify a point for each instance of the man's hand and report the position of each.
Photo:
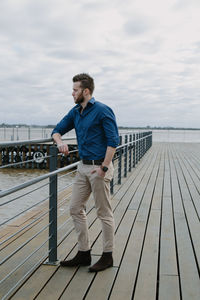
(63, 148)
(99, 171)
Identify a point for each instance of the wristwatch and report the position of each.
(104, 168)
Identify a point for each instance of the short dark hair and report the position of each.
(87, 82)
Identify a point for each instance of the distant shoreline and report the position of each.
(4, 125)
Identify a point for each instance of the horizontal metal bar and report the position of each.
(27, 258)
(63, 188)
(63, 201)
(61, 176)
(62, 225)
(36, 180)
(61, 154)
(4, 203)
(25, 276)
(25, 210)
(133, 142)
(31, 160)
(26, 226)
(23, 245)
(15, 164)
(27, 142)
(64, 237)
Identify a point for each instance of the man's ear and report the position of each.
(86, 92)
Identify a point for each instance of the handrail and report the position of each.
(27, 142)
(43, 177)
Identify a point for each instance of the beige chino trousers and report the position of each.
(86, 183)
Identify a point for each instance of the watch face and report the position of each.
(105, 169)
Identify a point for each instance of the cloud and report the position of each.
(138, 25)
(142, 54)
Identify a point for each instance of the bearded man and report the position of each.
(97, 137)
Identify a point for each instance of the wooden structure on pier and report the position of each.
(157, 252)
(17, 154)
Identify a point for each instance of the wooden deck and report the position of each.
(157, 238)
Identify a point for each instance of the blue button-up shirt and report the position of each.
(96, 129)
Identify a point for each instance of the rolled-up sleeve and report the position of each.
(110, 127)
(65, 125)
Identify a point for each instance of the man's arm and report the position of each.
(109, 156)
(63, 148)
(65, 125)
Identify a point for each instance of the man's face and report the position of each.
(77, 92)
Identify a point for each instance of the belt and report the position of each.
(92, 162)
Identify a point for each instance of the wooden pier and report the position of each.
(157, 238)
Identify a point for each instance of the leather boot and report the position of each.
(82, 258)
(106, 261)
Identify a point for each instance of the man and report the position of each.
(97, 136)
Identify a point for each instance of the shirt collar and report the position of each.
(91, 101)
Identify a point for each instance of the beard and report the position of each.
(80, 99)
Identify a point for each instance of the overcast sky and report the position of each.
(143, 54)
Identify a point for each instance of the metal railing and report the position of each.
(16, 133)
(126, 157)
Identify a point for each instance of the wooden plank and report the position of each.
(168, 257)
(190, 210)
(189, 277)
(147, 277)
(123, 288)
(42, 275)
(18, 257)
(56, 285)
(121, 236)
(123, 285)
(40, 279)
(168, 288)
(193, 180)
(143, 184)
(168, 260)
(157, 196)
(79, 285)
(25, 220)
(101, 285)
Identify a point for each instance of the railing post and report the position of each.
(53, 208)
(143, 144)
(112, 183)
(140, 145)
(125, 156)
(134, 146)
(120, 163)
(147, 141)
(130, 152)
(138, 156)
(136, 149)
